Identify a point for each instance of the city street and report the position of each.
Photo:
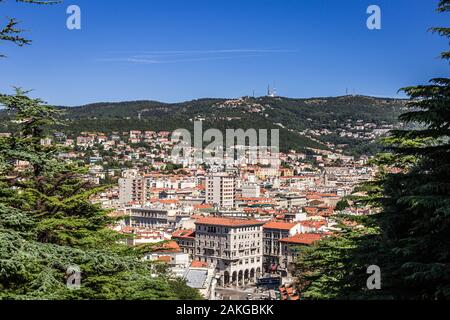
(253, 293)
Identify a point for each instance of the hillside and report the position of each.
(332, 122)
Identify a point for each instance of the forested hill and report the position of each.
(326, 109)
(315, 122)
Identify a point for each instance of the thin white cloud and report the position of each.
(179, 56)
(132, 60)
(188, 52)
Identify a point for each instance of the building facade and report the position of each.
(149, 218)
(233, 246)
(140, 189)
(251, 190)
(220, 189)
(131, 189)
(273, 232)
(186, 241)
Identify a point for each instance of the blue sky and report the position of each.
(176, 50)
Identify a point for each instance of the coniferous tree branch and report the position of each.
(10, 32)
(409, 238)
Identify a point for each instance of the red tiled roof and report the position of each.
(228, 222)
(313, 224)
(169, 246)
(279, 225)
(166, 201)
(165, 259)
(324, 211)
(202, 206)
(303, 238)
(318, 195)
(183, 234)
(199, 264)
(196, 216)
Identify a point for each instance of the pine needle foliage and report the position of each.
(410, 238)
(48, 224)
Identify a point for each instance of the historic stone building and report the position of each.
(150, 218)
(233, 246)
(273, 231)
(186, 241)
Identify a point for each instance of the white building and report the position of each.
(131, 189)
(233, 246)
(220, 189)
(251, 190)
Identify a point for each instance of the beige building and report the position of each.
(131, 190)
(186, 240)
(233, 246)
(220, 189)
(150, 218)
(140, 189)
(251, 190)
(273, 232)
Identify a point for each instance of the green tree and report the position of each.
(410, 238)
(10, 31)
(342, 205)
(335, 267)
(48, 223)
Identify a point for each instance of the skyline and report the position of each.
(197, 50)
(135, 166)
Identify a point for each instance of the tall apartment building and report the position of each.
(131, 189)
(220, 189)
(233, 246)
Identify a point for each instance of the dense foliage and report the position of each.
(410, 238)
(48, 227)
(48, 224)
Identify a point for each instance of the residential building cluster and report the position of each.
(227, 226)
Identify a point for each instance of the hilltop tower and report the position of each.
(271, 92)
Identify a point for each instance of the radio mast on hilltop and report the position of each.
(271, 92)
